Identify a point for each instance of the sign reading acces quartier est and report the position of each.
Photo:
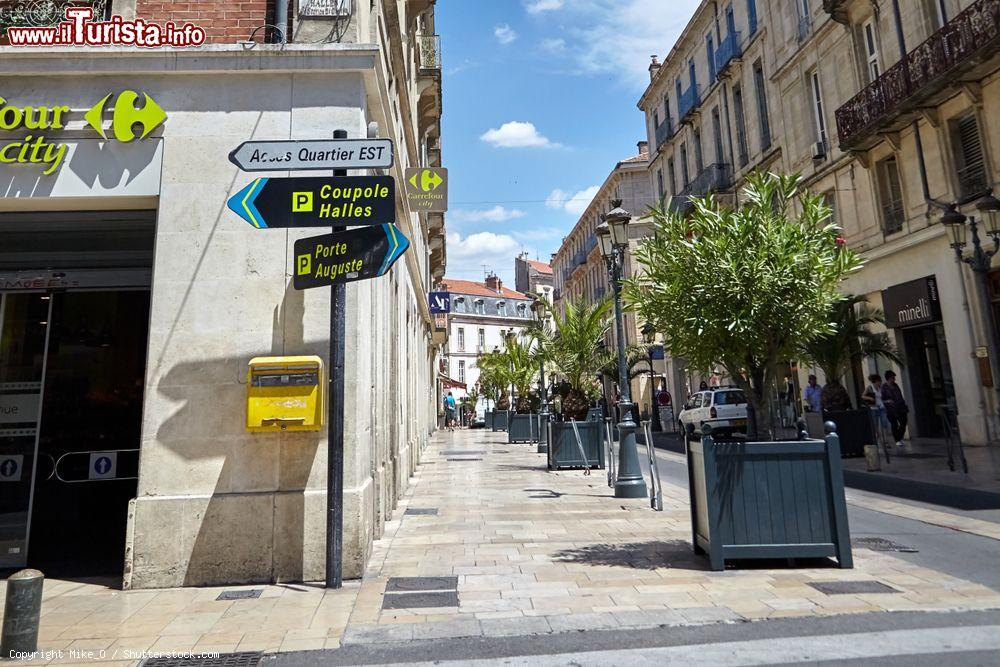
(35, 123)
(313, 154)
(317, 201)
(342, 257)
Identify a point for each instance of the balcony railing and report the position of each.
(930, 67)
(690, 99)
(664, 131)
(728, 51)
(713, 178)
(893, 218)
(429, 52)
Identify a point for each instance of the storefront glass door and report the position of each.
(24, 332)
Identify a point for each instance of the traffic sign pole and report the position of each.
(335, 427)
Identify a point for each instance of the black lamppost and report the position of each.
(612, 235)
(538, 307)
(980, 261)
(649, 336)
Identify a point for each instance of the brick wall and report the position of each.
(224, 21)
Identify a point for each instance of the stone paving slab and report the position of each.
(538, 552)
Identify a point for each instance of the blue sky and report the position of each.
(539, 104)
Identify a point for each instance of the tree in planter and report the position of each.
(577, 349)
(493, 378)
(847, 343)
(521, 364)
(743, 287)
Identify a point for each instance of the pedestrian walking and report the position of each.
(813, 395)
(449, 411)
(873, 399)
(896, 408)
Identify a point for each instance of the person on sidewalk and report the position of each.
(813, 394)
(449, 411)
(895, 407)
(873, 399)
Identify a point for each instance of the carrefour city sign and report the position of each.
(36, 122)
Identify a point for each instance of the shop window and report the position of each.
(890, 193)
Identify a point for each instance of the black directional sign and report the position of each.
(325, 201)
(343, 257)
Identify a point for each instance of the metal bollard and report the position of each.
(21, 613)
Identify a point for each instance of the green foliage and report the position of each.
(746, 287)
(849, 339)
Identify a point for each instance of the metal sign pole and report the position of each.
(335, 427)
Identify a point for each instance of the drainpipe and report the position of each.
(281, 19)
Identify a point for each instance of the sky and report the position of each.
(539, 105)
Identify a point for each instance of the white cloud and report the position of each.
(517, 134)
(652, 26)
(468, 255)
(553, 45)
(496, 214)
(575, 203)
(539, 6)
(504, 34)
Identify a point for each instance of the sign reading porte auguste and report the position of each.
(319, 154)
(342, 257)
(317, 201)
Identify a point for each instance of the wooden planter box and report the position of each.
(768, 499)
(522, 428)
(565, 453)
(500, 418)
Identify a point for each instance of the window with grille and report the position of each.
(968, 150)
(890, 195)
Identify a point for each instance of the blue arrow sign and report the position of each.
(8, 468)
(102, 465)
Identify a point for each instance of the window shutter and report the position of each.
(972, 168)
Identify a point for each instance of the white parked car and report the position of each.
(725, 408)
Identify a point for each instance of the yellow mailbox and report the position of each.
(285, 394)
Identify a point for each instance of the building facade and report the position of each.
(133, 299)
(533, 277)
(482, 314)
(882, 107)
(579, 271)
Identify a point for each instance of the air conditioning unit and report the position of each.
(819, 150)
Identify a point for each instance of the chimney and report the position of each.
(494, 283)
(654, 67)
(643, 147)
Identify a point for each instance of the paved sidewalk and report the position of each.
(534, 551)
(513, 550)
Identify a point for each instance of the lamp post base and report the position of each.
(630, 483)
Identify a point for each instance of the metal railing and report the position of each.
(664, 131)
(689, 101)
(713, 178)
(429, 52)
(931, 66)
(893, 218)
(728, 51)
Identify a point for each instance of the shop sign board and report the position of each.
(912, 303)
(324, 201)
(317, 154)
(342, 257)
(439, 302)
(427, 189)
(324, 9)
(19, 408)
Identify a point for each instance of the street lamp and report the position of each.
(511, 338)
(649, 336)
(538, 307)
(612, 235)
(980, 261)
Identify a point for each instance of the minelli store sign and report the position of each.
(81, 28)
(37, 127)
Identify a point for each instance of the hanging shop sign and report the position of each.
(912, 303)
(427, 189)
(319, 154)
(35, 123)
(343, 257)
(317, 201)
(439, 302)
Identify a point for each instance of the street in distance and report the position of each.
(319, 154)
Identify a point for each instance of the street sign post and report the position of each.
(319, 155)
(343, 257)
(317, 201)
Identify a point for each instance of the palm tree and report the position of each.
(849, 341)
(577, 350)
(494, 378)
(521, 363)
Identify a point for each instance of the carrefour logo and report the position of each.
(130, 120)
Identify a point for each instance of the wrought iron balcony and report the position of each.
(713, 178)
(429, 53)
(689, 101)
(964, 44)
(664, 131)
(728, 51)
